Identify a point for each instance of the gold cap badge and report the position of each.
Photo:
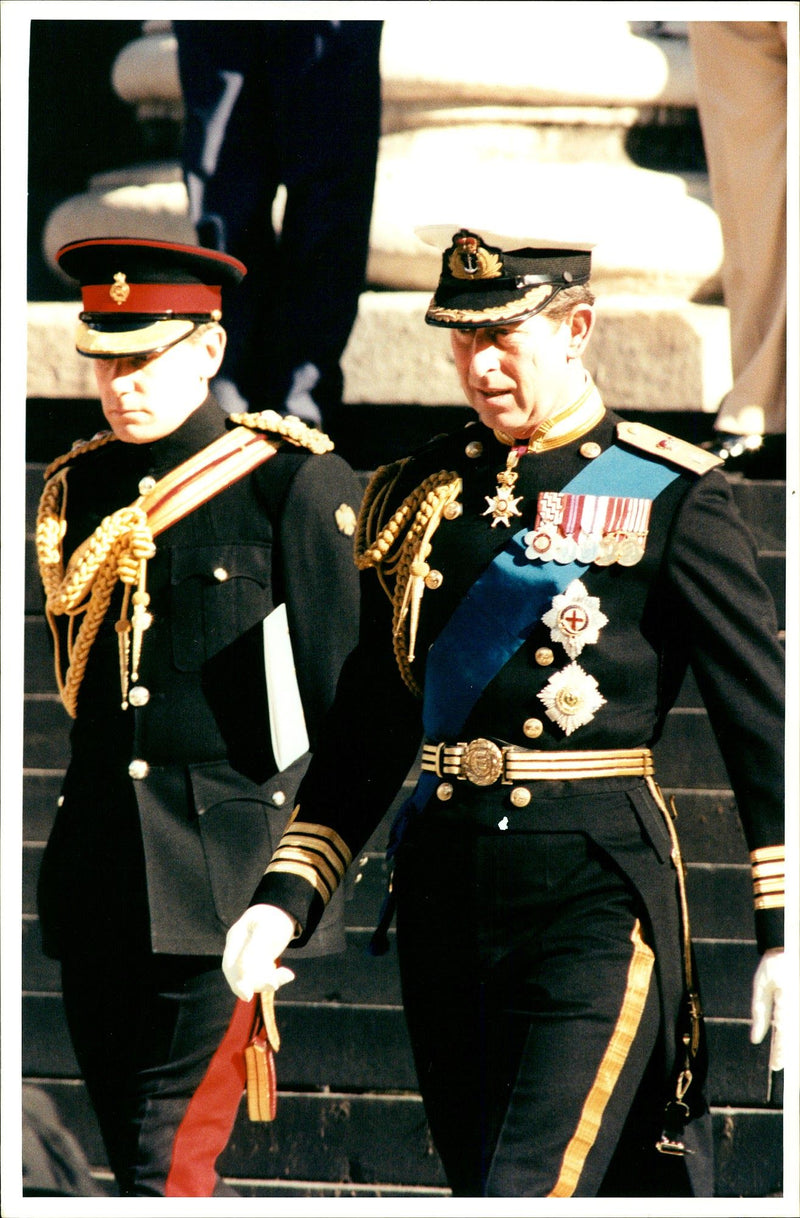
(119, 290)
(471, 260)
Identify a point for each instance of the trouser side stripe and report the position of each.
(636, 990)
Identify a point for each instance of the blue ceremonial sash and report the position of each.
(504, 604)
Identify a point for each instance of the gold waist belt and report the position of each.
(482, 762)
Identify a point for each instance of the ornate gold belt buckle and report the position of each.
(482, 762)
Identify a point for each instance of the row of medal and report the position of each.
(599, 529)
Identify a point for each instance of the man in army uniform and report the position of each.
(202, 596)
(535, 588)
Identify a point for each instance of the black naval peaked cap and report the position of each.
(490, 278)
(141, 296)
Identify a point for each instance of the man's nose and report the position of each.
(483, 357)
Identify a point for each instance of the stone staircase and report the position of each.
(607, 129)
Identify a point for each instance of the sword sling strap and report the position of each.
(690, 1027)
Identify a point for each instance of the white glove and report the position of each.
(253, 947)
(767, 1009)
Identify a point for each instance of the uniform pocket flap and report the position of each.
(216, 564)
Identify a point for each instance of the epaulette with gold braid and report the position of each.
(287, 427)
(669, 448)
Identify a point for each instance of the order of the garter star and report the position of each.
(575, 619)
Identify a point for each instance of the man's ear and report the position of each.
(212, 344)
(581, 324)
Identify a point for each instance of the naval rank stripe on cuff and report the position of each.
(315, 853)
(769, 876)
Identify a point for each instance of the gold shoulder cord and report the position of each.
(118, 549)
(79, 449)
(288, 427)
(399, 549)
(122, 544)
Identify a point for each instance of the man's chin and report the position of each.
(132, 429)
(498, 411)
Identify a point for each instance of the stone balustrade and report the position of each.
(480, 132)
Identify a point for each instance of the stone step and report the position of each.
(657, 353)
(708, 826)
(656, 232)
(365, 1048)
(720, 895)
(357, 978)
(338, 1136)
(599, 61)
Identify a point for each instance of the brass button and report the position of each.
(139, 696)
(278, 798)
(453, 511)
(220, 575)
(138, 769)
(444, 791)
(60, 801)
(590, 450)
(520, 797)
(434, 579)
(544, 656)
(533, 728)
(146, 485)
(474, 448)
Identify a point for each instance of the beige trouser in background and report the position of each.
(741, 69)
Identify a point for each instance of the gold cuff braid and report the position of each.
(768, 865)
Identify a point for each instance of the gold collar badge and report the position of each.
(120, 289)
(345, 518)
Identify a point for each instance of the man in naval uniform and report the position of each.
(536, 586)
(202, 596)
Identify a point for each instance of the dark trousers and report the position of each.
(292, 103)
(532, 1006)
(159, 1041)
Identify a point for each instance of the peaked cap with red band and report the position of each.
(496, 279)
(142, 296)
